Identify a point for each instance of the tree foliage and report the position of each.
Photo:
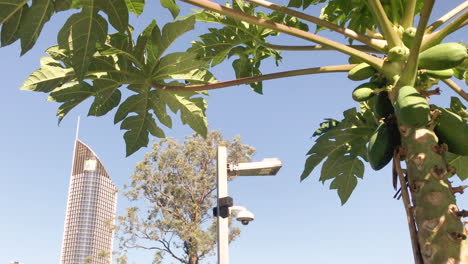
(173, 190)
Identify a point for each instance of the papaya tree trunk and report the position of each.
(441, 233)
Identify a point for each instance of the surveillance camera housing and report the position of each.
(245, 217)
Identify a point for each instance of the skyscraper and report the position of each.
(92, 199)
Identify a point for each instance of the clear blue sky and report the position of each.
(295, 222)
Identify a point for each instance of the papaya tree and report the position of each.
(402, 54)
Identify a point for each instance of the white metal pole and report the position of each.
(223, 223)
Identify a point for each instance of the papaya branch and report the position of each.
(456, 88)
(377, 44)
(408, 75)
(408, 15)
(449, 15)
(407, 203)
(247, 80)
(436, 37)
(375, 62)
(385, 26)
(315, 47)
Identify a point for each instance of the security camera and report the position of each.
(243, 215)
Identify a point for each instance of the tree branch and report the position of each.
(384, 23)
(436, 37)
(408, 76)
(456, 88)
(409, 11)
(371, 42)
(206, 4)
(446, 17)
(315, 47)
(246, 80)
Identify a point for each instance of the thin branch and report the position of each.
(316, 47)
(384, 23)
(407, 204)
(206, 4)
(408, 76)
(438, 36)
(446, 17)
(246, 80)
(456, 88)
(409, 11)
(371, 42)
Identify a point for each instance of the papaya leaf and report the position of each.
(346, 170)
(172, 6)
(142, 41)
(176, 63)
(135, 6)
(71, 95)
(460, 163)
(170, 32)
(139, 127)
(116, 11)
(136, 103)
(325, 126)
(11, 27)
(192, 109)
(79, 35)
(342, 147)
(50, 76)
(196, 76)
(9, 7)
(160, 109)
(34, 19)
(107, 96)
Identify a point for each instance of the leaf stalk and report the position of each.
(371, 42)
(246, 80)
(384, 23)
(377, 63)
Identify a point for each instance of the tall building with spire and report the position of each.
(91, 208)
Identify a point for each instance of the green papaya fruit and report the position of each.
(408, 36)
(354, 60)
(411, 107)
(381, 145)
(382, 106)
(452, 130)
(361, 72)
(364, 92)
(443, 56)
(397, 53)
(441, 74)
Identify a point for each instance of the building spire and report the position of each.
(77, 128)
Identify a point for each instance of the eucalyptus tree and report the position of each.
(172, 191)
(401, 56)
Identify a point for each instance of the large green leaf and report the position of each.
(137, 135)
(79, 35)
(192, 109)
(117, 12)
(35, 18)
(70, 95)
(137, 103)
(11, 27)
(170, 32)
(346, 170)
(460, 163)
(177, 63)
(342, 146)
(135, 6)
(9, 7)
(172, 6)
(50, 76)
(107, 96)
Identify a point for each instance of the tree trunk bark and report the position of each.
(441, 233)
(193, 259)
